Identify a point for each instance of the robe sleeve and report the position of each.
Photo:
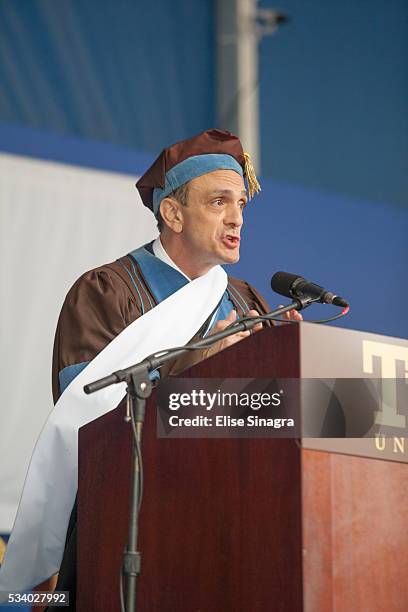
(252, 297)
(97, 308)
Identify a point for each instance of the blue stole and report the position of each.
(164, 280)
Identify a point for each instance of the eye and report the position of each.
(243, 204)
(218, 202)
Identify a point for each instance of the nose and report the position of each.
(234, 215)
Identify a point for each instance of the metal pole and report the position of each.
(237, 72)
(139, 389)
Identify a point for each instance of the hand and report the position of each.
(234, 338)
(291, 315)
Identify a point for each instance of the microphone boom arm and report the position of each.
(161, 357)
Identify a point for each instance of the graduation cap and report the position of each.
(181, 162)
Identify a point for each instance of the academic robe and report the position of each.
(100, 304)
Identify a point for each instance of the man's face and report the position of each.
(212, 219)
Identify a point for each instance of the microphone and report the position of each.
(294, 286)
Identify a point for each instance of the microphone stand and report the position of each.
(139, 388)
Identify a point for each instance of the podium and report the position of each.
(254, 525)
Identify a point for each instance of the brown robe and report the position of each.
(100, 304)
(103, 301)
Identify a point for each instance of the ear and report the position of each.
(172, 214)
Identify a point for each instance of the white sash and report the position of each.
(36, 545)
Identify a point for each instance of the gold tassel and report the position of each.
(253, 185)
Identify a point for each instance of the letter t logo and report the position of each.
(389, 355)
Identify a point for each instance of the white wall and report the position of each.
(56, 222)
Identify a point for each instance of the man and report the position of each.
(196, 190)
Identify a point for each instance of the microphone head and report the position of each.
(339, 301)
(297, 287)
(282, 282)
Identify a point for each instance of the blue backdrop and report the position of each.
(333, 86)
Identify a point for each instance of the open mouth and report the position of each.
(231, 241)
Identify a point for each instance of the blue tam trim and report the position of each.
(190, 168)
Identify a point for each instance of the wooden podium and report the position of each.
(254, 525)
